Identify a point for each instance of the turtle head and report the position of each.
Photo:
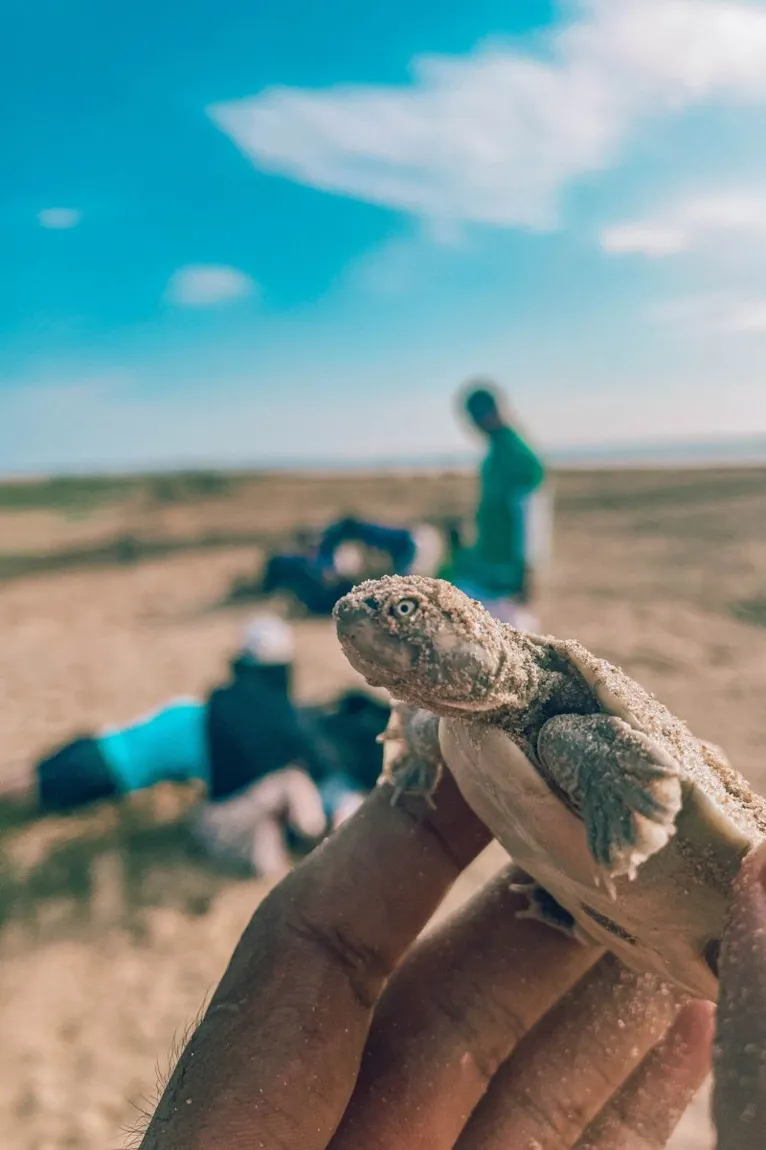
(425, 641)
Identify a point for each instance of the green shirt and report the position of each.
(510, 472)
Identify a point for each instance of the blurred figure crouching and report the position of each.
(275, 774)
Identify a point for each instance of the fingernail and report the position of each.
(760, 862)
(695, 1024)
(756, 864)
(751, 882)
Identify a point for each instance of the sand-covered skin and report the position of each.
(661, 574)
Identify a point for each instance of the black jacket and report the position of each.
(351, 724)
(253, 728)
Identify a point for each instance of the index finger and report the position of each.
(275, 1058)
(739, 1097)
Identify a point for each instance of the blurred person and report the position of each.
(353, 722)
(513, 516)
(251, 829)
(396, 544)
(257, 827)
(315, 586)
(414, 550)
(245, 729)
(253, 725)
(276, 775)
(348, 551)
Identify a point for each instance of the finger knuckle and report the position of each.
(363, 965)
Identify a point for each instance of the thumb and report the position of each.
(739, 1097)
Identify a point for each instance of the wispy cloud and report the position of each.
(495, 137)
(208, 285)
(406, 263)
(117, 422)
(719, 313)
(747, 316)
(690, 224)
(59, 219)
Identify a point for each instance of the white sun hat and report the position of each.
(268, 640)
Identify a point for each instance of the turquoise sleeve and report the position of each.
(168, 745)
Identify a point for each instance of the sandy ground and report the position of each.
(113, 930)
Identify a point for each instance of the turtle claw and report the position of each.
(409, 775)
(542, 907)
(620, 835)
(527, 886)
(603, 879)
(413, 765)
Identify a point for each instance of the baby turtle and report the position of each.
(631, 828)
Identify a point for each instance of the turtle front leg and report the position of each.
(626, 787)
(412, 760)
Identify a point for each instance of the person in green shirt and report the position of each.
(512, 515)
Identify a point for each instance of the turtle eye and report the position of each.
(403, 608)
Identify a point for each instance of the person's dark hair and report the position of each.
(356, 702)
(352, 723)
(480, 400)
(276, 676)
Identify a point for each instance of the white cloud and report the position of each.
(690, 224)
(206, 285)
(60, 219)
(747, 316)
(644, 238)
(495, 136)
(720, 313)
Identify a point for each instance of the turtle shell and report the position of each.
(668, 919)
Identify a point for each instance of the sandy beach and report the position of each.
(113, 930)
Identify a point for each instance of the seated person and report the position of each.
(252, 828)
(353, 723)
(273, 771)
(256, 827)
(246, 729)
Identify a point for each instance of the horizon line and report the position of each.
(734, 450)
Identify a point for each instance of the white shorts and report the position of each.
(513, 613)
(430, 549)
(505, 608)
(538, 528)
(248, 829)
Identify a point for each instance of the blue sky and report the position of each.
(237, 232)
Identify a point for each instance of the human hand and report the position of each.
(492, 1031)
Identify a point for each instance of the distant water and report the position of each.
(742, 451)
